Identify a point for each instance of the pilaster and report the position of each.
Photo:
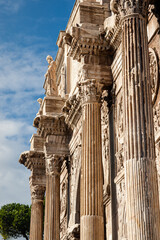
(143, 215)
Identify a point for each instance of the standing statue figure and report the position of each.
(50, 78)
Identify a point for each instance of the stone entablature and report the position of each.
(94, 154)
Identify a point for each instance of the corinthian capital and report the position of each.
(127, 7)
(37, 192)
(90, 90)
(53, 164)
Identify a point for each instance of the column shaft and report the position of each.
(143, 217)
(52, 208)
(36, 225)
(92, 222)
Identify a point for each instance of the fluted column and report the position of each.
(52, 205)
(91, 199)
(143, 216)
(36, 225)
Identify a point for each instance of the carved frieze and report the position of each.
(121, 205)
(75, 166)
(119, 134)
(156, 113)
(63, 209)
(153, 63)
(105, 143)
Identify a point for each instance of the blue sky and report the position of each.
(28, 33)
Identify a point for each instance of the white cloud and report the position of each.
(10, 6)
(21, 83)
(13, 177)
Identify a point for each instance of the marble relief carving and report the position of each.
(119, 133)
(105, 143)
(63, 209)
(156, 113)
(153, 63)
(74, 186)
(122, 230)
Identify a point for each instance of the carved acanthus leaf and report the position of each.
(90, 90)
(127, 7)
(37, 192)
(54, 163)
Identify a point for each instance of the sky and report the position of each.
(28, 33)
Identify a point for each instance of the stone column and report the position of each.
(91, 198)
(36, 225)
(143, 215)
(52, 205)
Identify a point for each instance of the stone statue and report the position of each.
(50, 78)
(113, 6)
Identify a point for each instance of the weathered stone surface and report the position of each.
(96, 152)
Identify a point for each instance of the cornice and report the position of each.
(85, 41)
(33, 160)
(50, 125)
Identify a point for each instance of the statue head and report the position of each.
(49, 59)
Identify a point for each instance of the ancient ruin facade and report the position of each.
(96, 154)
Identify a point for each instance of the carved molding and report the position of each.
(85, 42)
(153, 63)
(50, 125)
(72, 110)
(33, 160)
